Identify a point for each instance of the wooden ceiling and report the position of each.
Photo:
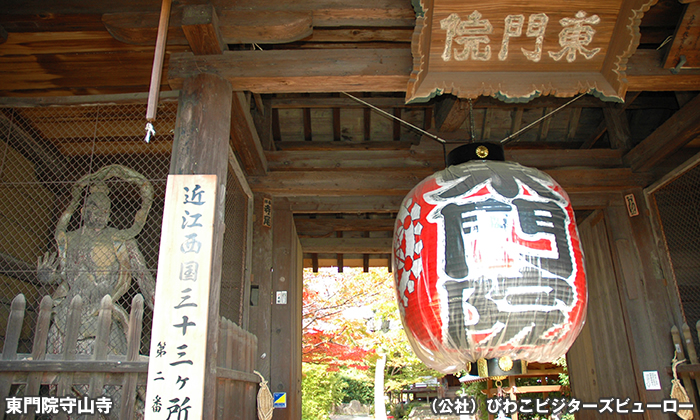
(344, 167)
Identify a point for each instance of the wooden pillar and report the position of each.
(261, 280)
(285, 322)
(200, 146)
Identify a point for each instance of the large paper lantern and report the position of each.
(488, 264)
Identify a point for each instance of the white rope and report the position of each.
(265, 402)
(678, 392)
(150, 131)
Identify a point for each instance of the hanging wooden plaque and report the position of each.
(519, 50)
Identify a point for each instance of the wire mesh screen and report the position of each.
(678, 204)
(76, 184)
(234, 252)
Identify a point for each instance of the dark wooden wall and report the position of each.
(630, 313)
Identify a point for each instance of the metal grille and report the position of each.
(234, 251)
(44, 152)
(678, 204)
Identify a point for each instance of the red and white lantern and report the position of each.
(488, 264)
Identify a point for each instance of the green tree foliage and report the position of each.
(320, 391)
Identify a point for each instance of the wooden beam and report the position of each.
(37, 150)
(235, 26)
(618, 127)
(450, 113)
(595, 135)
(644, 73)
(280, 22)
(347, 245)
(573, 123)
(201, 27)
(244, 137)
(343, 145)
(363, 70)
(544, 125)
(400, 182)
(317, 227)
(674, 133)
(278, 71)
(483, 102)
(685, 40)
(345, 204)
(425, 157)
(391, 203)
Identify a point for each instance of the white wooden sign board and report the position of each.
(179, 338)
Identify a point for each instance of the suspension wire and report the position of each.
(471, 120)
(527, 127)
(381, 111)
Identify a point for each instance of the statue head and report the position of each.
(97, 206)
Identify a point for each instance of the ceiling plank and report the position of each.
(45, 43)
(278, 71)
(201, 27)
(244, 137)
(400, 182)
(93, 73)
(360, 35)
(347, 245)
(674, 133)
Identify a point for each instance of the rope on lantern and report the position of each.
(265, 402)
(678, 392)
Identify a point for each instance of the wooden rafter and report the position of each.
(676, 132)
(244, 137)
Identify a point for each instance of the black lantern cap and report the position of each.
(476, 151)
